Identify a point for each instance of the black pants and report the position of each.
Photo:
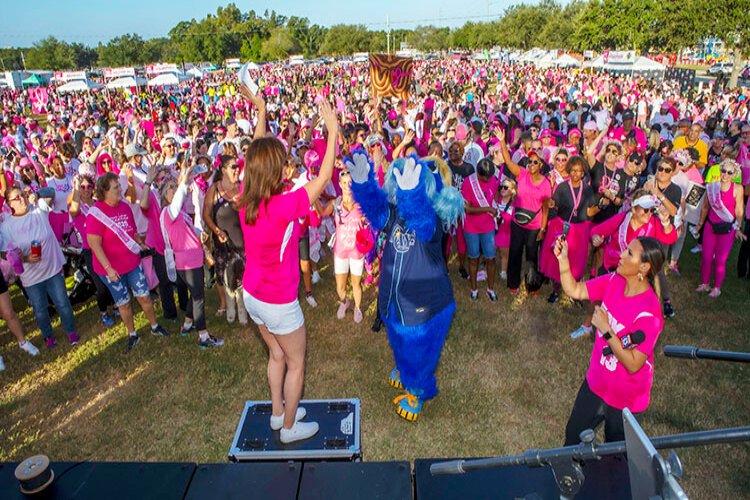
(166, 290)
(521, 239)
(103, 297)
(589, 411)
(743, 259)
(193, 281)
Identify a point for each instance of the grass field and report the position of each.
(508, 380)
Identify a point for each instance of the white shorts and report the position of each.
(346, 266)
(280, 319)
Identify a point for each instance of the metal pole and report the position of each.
(685, 352)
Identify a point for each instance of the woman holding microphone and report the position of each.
(628, 324)
(269, 217)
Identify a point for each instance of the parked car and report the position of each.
(721, 67)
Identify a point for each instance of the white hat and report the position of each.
(646, 202)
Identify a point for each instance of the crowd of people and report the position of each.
(565, 175)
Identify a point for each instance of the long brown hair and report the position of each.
(652, 254)
(264, 167)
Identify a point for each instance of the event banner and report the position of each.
(391, 75)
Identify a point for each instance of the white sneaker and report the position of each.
(2, 364)
(315, 277)
(696, 249)
(311, 300)
(503, 275)
(278, 422)
(298, 432)
(29, 347)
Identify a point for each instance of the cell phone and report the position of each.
(566, 230)
(200, 169)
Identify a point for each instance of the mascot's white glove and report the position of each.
(410, 178)
(360, 169)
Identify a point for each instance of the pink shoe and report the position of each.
(714, 293)
(343, 306)
(357, 315)
(368, 280)
(703, 288)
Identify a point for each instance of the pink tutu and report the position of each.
(502, 236)
(578, 249)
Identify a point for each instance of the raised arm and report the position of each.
(316, 186)
(591, 150)
(260, 105)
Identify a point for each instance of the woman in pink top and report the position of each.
(269, 218)
(111, 234)
(181, 237)
(628, 324)
(723, 209)
(81, 200)
(347, 260)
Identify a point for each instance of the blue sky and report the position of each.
(90, 22)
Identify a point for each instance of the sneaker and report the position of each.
(357, 315)
(463, 272)
(159, 331)
(73, 338)
(211, 341)
(132, 341)
(51, 342)
(553, 298)
(2, 364)
(673, 267)
(474, 294)
(186, 331)
(668, 309)
(705, 287)
(29, 347)
(278, 422)
(343, 306)
(513, 291)
(311, 301)
(107, 320)
(696, 249)
(504, 275)
(714, 293)
(481, 275)
(492, 295)
(315, 277)
(298, 432)
(581, 331)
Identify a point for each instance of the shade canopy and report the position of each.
(79, 86)
(127, 82)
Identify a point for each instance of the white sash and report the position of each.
(124, 237)
(713, 189)
(478, 194)
(623, 232)
(168, 252)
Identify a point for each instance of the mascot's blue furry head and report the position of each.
(446, 200)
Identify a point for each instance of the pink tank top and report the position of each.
(729, 201)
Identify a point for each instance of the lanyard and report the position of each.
(576, 199)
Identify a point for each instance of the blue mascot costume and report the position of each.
(415, 293)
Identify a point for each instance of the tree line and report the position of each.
(643, 25)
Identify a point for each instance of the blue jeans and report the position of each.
(483, 243)
(134, 281)
(53, 287)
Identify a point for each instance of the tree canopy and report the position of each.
(644, 25)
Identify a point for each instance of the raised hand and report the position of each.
(410, 178)
(328, 114)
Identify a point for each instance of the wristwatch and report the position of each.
(607, 335)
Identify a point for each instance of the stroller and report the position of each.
(78, 282)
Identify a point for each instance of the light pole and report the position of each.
(388, 32)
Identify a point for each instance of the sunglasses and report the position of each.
(504, 187)
(233, 166)
(87, 187)
(647, 210)
(106, 161)
(727, 171)
(17, 198)
(535, 162)
(561, 159)
(614, 151)
(344, 173)
(664, 169)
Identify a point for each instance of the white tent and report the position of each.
(197, 73)
(641, 65)
(127, 82)
(166, 79)
(79, 86)
(252, 66)
(567, 61)
(646, 64)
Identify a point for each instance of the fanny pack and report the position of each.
(721, 227)
(523, 217)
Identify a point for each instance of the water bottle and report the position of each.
(15, 259)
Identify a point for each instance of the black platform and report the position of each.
(271, 481)
(360, 480)
(605, 479)
(110, 480)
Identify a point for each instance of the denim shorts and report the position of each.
(482, 241)
(134, 281)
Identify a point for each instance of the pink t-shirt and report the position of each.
(154, 238)
(272, 248)
(79, 222)
(479, 223)
(120, 257)
(607, 378)
(347, 225)
(188, 251)
(531, 196)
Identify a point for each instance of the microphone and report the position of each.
(628, 341)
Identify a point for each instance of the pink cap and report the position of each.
(589, 125)
(462, 131)
(25, 162)
(545, 133)
(574, 131)
(392, 115)
(312, 159)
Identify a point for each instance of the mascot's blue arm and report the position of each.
(416, 209)
(373, 202)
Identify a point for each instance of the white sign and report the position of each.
(232, 63)
(588, 54)
(157, 69)
(70, 75)
(621, 56)
(118, 72)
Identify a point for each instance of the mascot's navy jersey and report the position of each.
(413, 277)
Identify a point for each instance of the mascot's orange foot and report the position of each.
(408, 406)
